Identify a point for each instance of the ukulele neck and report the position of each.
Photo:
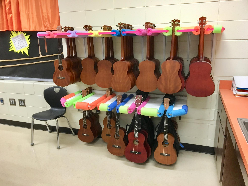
(165, 131)
(201, 45)
(84, 119)
(173, 44)
(117, 125)
(108, 119)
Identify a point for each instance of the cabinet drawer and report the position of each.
(231, 133)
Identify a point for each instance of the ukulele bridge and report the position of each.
(164, 154)
(116, 146)
(61, 77)
(135, 152)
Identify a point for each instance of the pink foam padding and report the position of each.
(186, 30)
(142, 105)
(50, 34)
(63, 100)
(105, 33)
(131, 108)
(153, 32)
(141, 32)
(60, 34)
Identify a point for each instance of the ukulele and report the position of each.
(199, 82)
(62, 75)
(165, 152)
(117, 144)
(105, 67)
(136, 150)
(108, 123)
(89, 125)
(123, 78)
(169, 81)
(89, 64)
(149, 69)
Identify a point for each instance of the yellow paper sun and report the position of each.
(19, 42)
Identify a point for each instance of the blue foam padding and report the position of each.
(179, 112)
(124, 34)
(161, 110)
(114, 104)
(185, 107)
(124, 102)
(117, 33)
(169, 111)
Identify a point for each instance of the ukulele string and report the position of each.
(164, 46)
(85, 48)
(103, 48)
(189, 42)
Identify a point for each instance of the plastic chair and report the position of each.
(52, 96)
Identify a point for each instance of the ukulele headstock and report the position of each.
(121, 26)
(109, 92)
(138, 100)
(202, 22)
(87, 27)
(149, 25)
(166, 103)
(66, 28)
(106, 28)
(119, 98)
(175, 22)
(128, 26)
(59, 28)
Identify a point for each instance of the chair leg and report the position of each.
(69, 125)
(48, 127)
(32, 132)
(57, 127)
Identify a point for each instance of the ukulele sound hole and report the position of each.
(60, 67)
(116, 146)
(108, 135)
(165, 144)
(85, 134)
(136, 142)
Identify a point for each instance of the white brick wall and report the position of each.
(230, 56)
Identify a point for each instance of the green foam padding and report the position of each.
(149, 112)
(78, 92)
(168, 33)
(217, 29)
(123, 109)
(82, 99)
(178, 33)
(103, 107)
(71, 101)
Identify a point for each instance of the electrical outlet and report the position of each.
(1, 101)
(12, 102)
(22, 102)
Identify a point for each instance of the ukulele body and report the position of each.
(117, 146)
(165, 154)
(169, 82)
(147, 80)
(106, 132)
(62, 77)
(88, 73)
(86, 134)
(123, 79)
(104, 75)
(199, 82)
(136, 151)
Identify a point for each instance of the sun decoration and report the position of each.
(19, 42)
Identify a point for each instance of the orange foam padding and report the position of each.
(82, 105)
(94, 103)
(69, 96)
(105, 100)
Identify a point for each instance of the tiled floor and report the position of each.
(77, 163)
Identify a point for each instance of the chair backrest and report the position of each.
(53, 95)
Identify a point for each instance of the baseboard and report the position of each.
(187, 147)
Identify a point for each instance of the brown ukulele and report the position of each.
(90, 127)
(123, 78)
(165, 153)
(117, 144)
(105, 67)
(89, 64)
(169, 81)
(149, 69)
(199, 82)
(62, 75)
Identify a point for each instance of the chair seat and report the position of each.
(50, 114)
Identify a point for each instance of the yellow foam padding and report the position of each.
(95, 34)
(104, 35)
